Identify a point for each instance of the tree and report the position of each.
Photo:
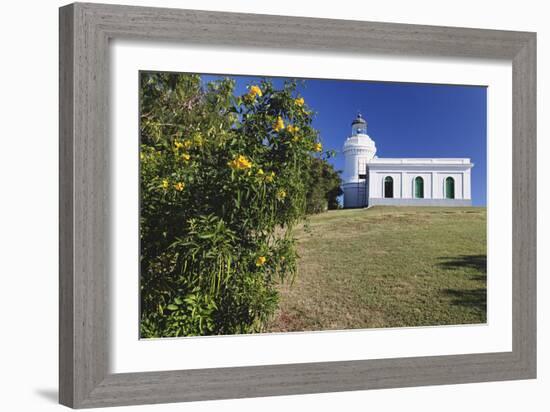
(222, 187)
(323, 187)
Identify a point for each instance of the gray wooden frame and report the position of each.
(85, 30)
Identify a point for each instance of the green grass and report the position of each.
(388, 267)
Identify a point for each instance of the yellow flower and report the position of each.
(279, 124)
(292, 129)
(281, 194)
(185, 157)
(260, 261)
(318, 147)
(179, 186)
(255, 91)
(187, 144)
(178, 144)
(270, 177)
(299, 102)
(240, 162)
(165, 184)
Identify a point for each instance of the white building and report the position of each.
(369, 180)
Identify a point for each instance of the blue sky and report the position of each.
(404, 119)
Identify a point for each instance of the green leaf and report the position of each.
(172, 307)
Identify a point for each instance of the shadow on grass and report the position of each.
(476, 262)
(475, 299)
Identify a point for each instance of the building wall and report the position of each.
(361, 193)
(377, 183)
(359, 149)
(434, 183)
(354, 165)
(355, 195)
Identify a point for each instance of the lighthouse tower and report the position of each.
(359, 149)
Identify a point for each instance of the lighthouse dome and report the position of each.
(359, 125)
(359, 120)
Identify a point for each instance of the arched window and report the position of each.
(388, 186)
(418, 187)
(449, 188)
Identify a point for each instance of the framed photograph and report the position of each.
(257, 205)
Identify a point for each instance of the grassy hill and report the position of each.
(388, 267)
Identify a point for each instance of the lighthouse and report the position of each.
(369, 180)
(359, 149)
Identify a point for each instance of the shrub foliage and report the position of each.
(222, 187)
(324, 187)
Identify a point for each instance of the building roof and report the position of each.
(435, 163)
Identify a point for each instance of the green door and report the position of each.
(419, 187)
(449, 188)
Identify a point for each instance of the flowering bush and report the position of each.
(223, 183)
